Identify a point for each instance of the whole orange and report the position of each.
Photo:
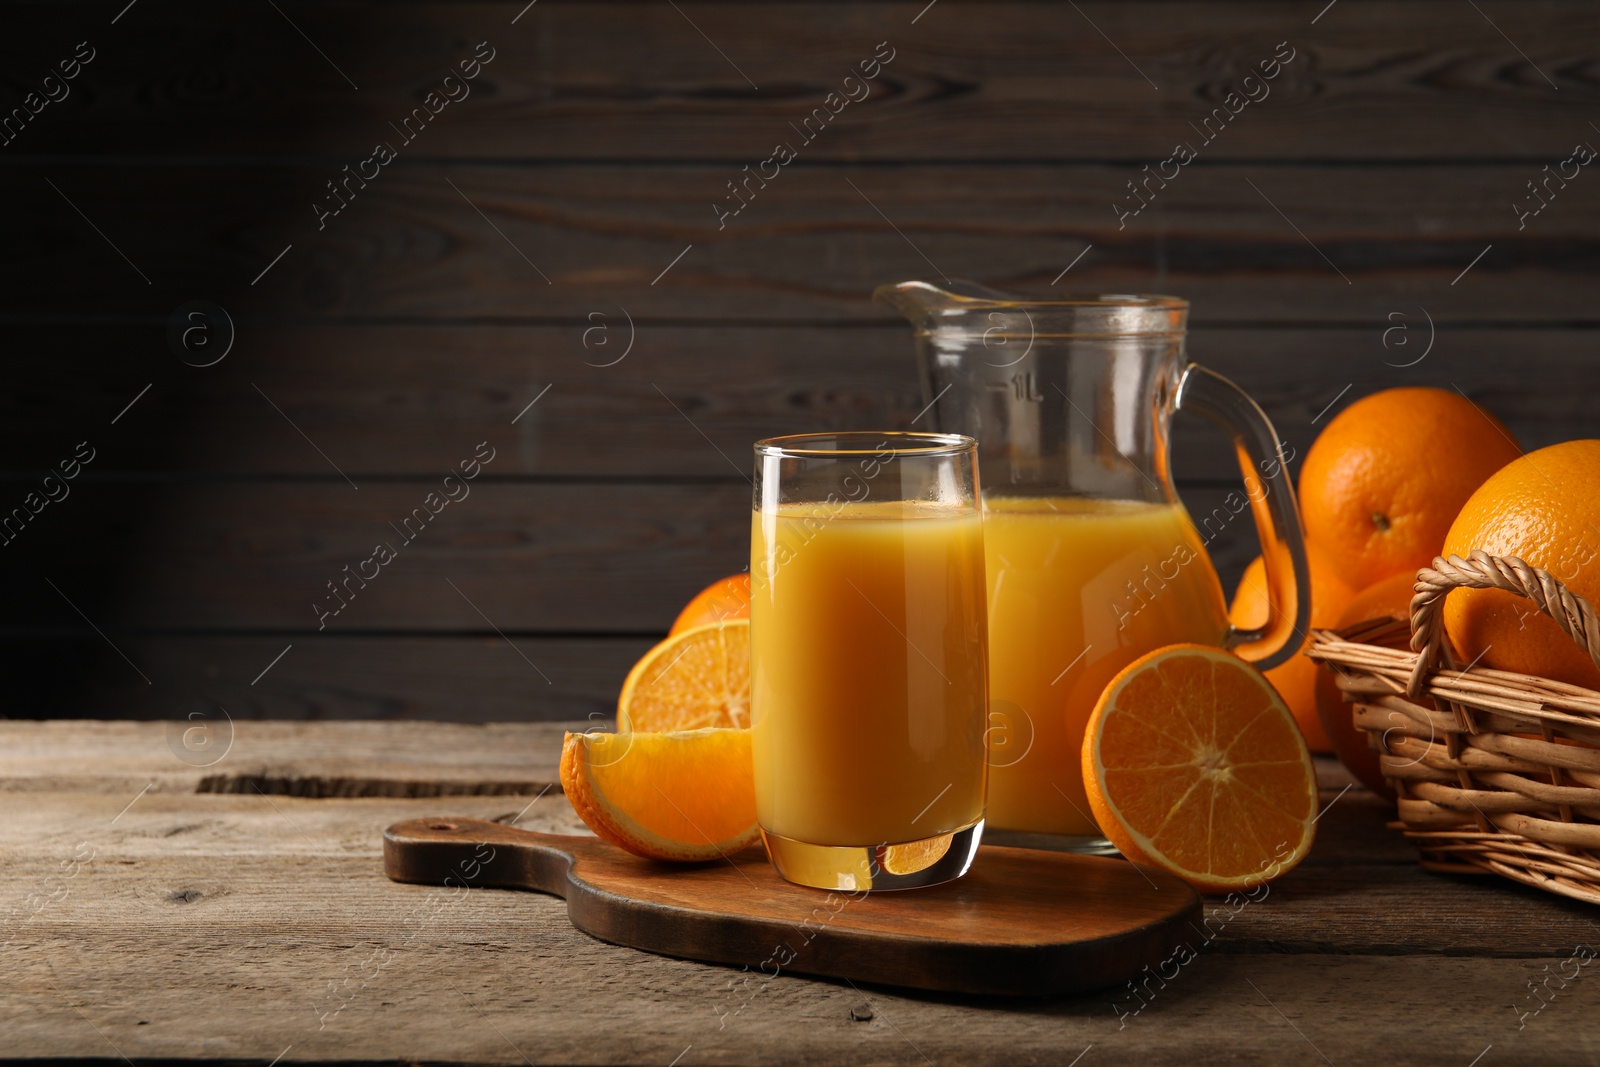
(1296, 680)
(1383, 481)
(1392, 597)
(724, 599)
(1544, 509)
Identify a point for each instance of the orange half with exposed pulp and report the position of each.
(696, 678)
(1193, 763)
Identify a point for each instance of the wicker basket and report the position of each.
(1496, 771)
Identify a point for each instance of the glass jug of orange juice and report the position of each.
(1091, 559)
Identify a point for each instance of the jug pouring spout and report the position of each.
(953, 306)
(925, 302)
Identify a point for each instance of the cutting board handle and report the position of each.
(471, 853)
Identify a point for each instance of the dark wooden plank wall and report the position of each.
(458, 285)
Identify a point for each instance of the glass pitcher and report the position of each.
(1091, 558)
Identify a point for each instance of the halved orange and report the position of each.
(685, 796)
(1193, 763)
(695, 679)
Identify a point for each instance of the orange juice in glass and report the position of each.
(868, 658)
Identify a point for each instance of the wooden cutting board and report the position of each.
(1022, 922)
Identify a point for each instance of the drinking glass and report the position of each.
(868, 673)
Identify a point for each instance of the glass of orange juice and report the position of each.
(868, 673)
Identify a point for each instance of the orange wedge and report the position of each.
(684, 796)
(916, 856)
(694, 679)
(1194, 764)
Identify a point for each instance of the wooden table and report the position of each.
(151, 908)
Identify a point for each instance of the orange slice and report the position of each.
(916, 856)
(1194, 764)
(695, 679)
(670, 796)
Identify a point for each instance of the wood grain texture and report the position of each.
(413, 400)
(977, 81)
(1020, 923)
(518, 559)
(415, 323)
(328, 759)
(1344, 899)
(240, 925)
(442, 677)
(560, 242)
(259, 926)
(373, 759)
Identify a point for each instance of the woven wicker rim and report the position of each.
(1496, 771)
(1483, 570)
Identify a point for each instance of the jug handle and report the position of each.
(1272, 504)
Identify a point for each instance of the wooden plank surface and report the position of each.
(1342, 900)
(253, 925)
(551, 558)
(560, 242)
(548, 557)
(213, 754)
(440, 677)
(595, 144)
(504, 983)
(723, 81)
(445, 387)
